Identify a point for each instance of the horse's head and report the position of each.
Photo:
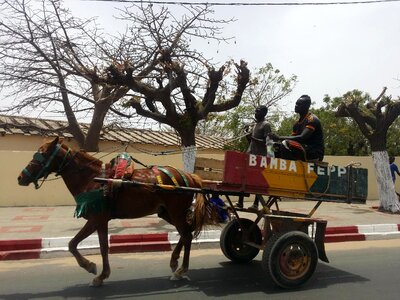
(50, 157)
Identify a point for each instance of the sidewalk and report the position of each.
(33, 232)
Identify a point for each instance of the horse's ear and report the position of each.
(55, 141)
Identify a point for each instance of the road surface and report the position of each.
(358, 270)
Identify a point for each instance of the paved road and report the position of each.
(358, 270)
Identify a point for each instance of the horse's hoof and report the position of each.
(92, 268)
(179, 274)
(173, 268)
(175, 277)
(96, 282)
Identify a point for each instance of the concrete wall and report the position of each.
(54, 192)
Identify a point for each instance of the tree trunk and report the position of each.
(93, 134)
(189, 158)
(387, 195)
(188, 147)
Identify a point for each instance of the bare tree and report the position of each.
(168, 80)
(43, 52)
(150, 70)
(374, 118)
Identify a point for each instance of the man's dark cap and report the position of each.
(263, 108)
(305, 99)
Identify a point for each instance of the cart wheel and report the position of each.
(290, 258)
(232, 241)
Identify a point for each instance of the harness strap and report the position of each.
(183, 177)
(64, 162)
(45, 166)
(158, 174)
(169, 174)
(166, 172)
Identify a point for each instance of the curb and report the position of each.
(164, 241)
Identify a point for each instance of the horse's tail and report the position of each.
(204, 212)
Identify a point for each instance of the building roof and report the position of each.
(43, 127)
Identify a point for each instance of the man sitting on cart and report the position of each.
(257, 138)
(307, 140)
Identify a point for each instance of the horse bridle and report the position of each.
(45, 165)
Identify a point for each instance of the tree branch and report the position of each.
(243, 77)
(134, 103)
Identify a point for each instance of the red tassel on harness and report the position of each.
(121, 164)
(120, 168)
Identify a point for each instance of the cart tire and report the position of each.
(231, 241)
(290, 259)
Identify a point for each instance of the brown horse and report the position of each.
(78, 169)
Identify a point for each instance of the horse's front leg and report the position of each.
(86, 230)
(175, 255)
(102, 231)
(187, 243)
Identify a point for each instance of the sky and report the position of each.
(331, 48)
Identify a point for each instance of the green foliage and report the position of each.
(286, 125)
(342, 135)
(393, 139)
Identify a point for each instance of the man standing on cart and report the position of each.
(257, 141)
(307, 140)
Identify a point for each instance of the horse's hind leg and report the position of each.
(186, 239)
(102, 230)
(86, 230)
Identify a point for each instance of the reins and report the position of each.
(125, 149)
(64, 163)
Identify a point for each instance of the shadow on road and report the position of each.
(230, 279)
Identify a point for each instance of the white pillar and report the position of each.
(387, 195)
(189, 158)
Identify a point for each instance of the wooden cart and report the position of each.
(291, 242)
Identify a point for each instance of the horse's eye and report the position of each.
(39, 157)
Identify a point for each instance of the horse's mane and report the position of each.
(82, 154)
(86, 156)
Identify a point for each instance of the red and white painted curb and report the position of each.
(362, 233)
(164, 241)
